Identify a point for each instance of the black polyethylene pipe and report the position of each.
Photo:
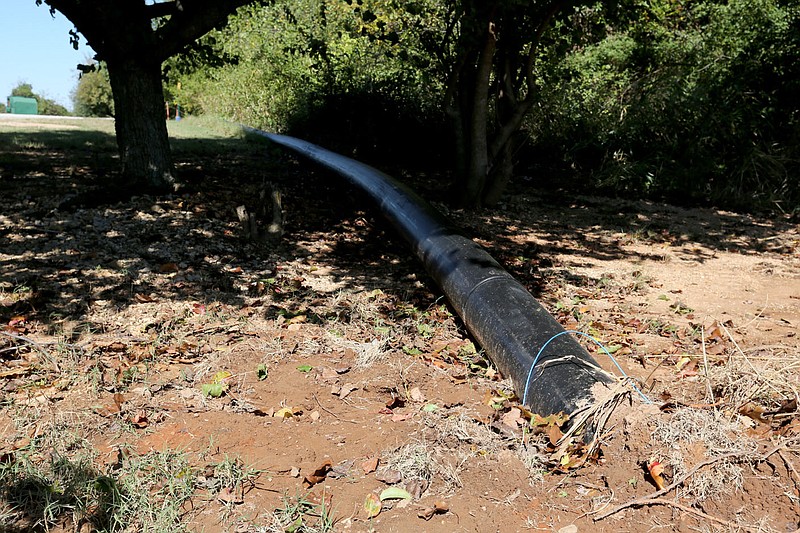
(506, 319)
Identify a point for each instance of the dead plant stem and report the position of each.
(705, 364)
(654, 498)
(791, 467)
(758, 315)
(38, 347)
(767, 382)
(334, 415)
(698, 513)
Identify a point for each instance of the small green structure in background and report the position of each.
(22, 105)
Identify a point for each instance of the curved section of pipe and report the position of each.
(504, 318)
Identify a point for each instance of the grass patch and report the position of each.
(301, 514)
(52, 482)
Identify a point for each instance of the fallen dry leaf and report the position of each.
(14, 372)
(754, 412)
(394, 402)
(17, 321)
(324, 500)
(345, 390)
(372, 505)
(554, 434)
(139, 419)
(416, 487)
(284, 412)
(401, 417)
(416, 395)
(389, 476)
(231, 495)
(513, 418)
(656, 470)
(329, 374)
(318, 475)
(439, 507)
(370, 465)
(787, 406)
(22, 442)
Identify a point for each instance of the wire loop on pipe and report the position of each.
(598, 343)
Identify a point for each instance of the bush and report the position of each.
(694, 103)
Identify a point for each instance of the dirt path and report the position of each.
(300, 381)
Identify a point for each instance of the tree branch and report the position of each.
(521, 107)
(192, 20)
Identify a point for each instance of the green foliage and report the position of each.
(23, 89)
(691, 100)
(683, 100)
(2, 107)
(330, 71)
(50, 107)
(92, 96)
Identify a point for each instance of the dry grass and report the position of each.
(426, 463)
(689, 436)
(768, 376)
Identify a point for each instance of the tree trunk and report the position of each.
(477, 116)
(141, 124)
(500, 176)
(498, 48)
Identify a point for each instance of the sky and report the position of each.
(35, 49)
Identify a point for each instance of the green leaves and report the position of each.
(213, 390)
(394, 493)
(218, 385)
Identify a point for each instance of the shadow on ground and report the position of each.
(57, 265)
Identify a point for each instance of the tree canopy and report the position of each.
(663, 98)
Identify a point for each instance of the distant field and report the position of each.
(190, 135)
(33, 123)
(188, 127)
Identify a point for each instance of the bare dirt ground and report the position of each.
(297, 381)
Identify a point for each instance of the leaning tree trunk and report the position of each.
(140, 123)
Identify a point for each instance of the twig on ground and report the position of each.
(650, 375)
(750, 364)
(791, 467)
(38, 346)
(705, 364)
(698, 513)
(758, 315)
(334, 415)
(654, 498)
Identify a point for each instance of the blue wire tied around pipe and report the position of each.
(551, 339)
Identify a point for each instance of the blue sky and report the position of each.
(34, 48)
